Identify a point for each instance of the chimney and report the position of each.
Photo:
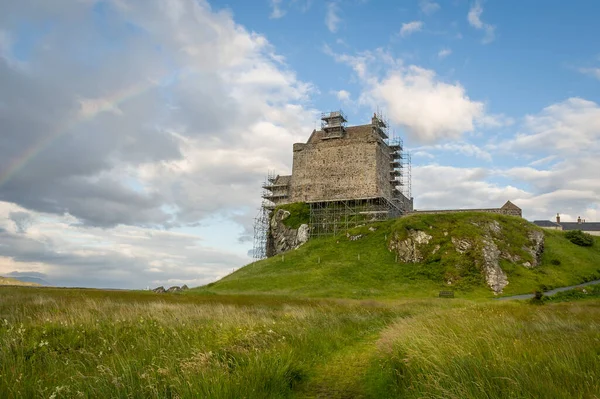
(579, 219)
(558, 218)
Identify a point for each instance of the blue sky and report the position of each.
(152, 124)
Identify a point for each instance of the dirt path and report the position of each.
(341, 376)
(551, 292)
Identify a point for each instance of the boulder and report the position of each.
(283, 237)
(174, 289)
(159, 290)
(184, 287)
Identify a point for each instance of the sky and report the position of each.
(135, 135)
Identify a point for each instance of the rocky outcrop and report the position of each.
(409, 249)
(283, 238)
(535, 249)
(184, 287)
(494, 275)
(461, 245)
(174, 289)
(159, 290)
(484, 250)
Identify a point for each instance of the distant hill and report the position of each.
(419, 255)
(28, 279)
(14, 281)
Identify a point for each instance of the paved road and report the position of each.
(551, 292)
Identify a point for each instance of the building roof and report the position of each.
(511, 206)
(585, 226)
(545, 223)
(283, 180)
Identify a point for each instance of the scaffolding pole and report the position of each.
(334, 217)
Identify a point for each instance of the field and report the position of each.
(67, 343)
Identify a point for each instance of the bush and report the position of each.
(299, 214)
(580, 238)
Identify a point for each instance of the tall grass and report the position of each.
(507, 350)
(101, 344)
(68, 344)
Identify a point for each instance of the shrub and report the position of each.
(580, 238)
(299, 214)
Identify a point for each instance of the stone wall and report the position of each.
(509, 212)
(383, 169)
(335, 169)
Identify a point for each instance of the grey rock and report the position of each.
(174, 289)
(494, 275)
(184, 287)
(354, 238)
(159, 290)
(283, 237)
(536, 248)
(409, 250)
(461, 245)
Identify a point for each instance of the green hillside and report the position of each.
(366, 268)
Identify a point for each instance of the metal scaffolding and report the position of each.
(407, 175)
(334, 217)
(261, 231)
(262, 219)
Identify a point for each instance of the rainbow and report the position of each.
(89, 109)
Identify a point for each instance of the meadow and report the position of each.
(69, 343)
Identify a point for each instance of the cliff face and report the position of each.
(476, 246)
(282, 238)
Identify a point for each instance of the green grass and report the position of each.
(581, 293)
(299, 214)
(499, 350)
(365, 268)
(69, 343)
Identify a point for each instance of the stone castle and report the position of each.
(346, 176)
(340, 163)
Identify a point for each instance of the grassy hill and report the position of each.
(14, 281)
(366, 268)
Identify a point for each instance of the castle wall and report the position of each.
(337, 169)
(383, 169)
(509, 212)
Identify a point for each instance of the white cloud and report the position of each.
(443, 53)
(571, 126)
(428, 108)
(448, 187)
(593, 72)
(170, 139)
(409, 28)
(474, 18)
(462, 148)
(431, 110)
(332, 18)
(428, 7)
(342, 95)
(276, 10)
